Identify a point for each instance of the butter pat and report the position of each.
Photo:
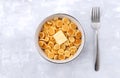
(60, 37)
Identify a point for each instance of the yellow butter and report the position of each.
(60, 37)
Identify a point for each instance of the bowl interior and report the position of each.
(49, 18)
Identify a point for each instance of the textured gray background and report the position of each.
(19, 57)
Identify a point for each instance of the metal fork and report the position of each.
(95, 23)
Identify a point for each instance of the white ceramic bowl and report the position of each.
(73, 20)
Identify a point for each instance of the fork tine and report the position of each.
(98, 14)
(92, 15)
(95, 16)
(96, 11)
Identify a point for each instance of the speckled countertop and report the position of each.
(19, 57)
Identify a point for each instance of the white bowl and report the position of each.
(73, 20)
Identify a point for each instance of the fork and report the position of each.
(95, 23)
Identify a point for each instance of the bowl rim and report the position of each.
(39, 49)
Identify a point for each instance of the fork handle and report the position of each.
(96, 51)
